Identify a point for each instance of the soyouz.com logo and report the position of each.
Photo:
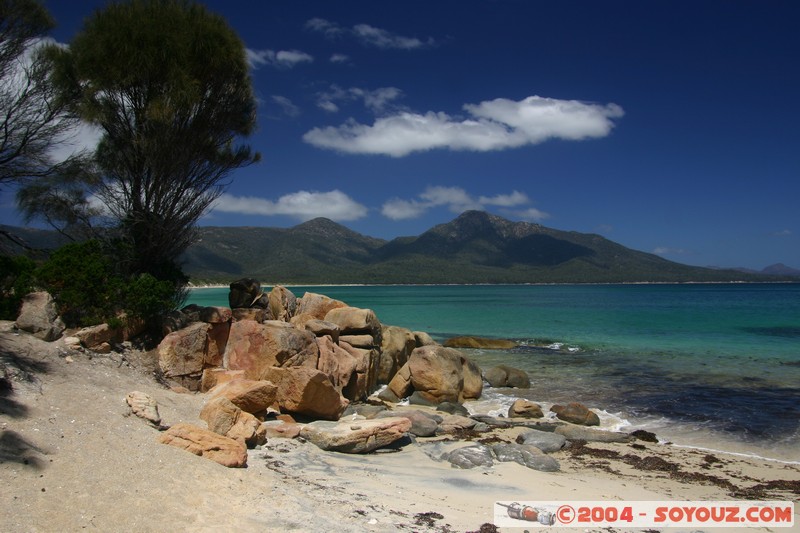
(643, 514)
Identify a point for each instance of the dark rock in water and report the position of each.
(646, 436)
(471, 456)
(543, 440)
(506, 376)
(480, 342)
(525, 455)
(244, 292)
(452, 408)
(576, 413)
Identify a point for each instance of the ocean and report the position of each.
(711, 366)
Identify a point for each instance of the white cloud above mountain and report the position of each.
(302, 205)
(457, 200)
(493, 125)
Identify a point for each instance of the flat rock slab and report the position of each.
(592, 435)
(470, 456)
(525, 455)
(205, 443)
(360, 436)
(544, 440)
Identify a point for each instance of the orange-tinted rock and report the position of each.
(306, 391)
(205, 443)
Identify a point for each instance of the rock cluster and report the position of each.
(308, 357)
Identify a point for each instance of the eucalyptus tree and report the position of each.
(167, 84)
(33, 116)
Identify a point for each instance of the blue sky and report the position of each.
(669, 127)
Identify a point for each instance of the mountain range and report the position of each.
(475, 247)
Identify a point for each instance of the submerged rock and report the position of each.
(506, 376)
(480, 342)
(576, 413)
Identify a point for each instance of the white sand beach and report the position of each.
(72, 458)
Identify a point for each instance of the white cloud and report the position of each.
(303, 205)
(376, 100)
(783, 233)
(286, 105)
(506, 200)
(326, 27)
(531, 214)
(328, 105)
(339, 58)
(498, 124)
(281, 59)
(83, 137)
(368, 35)
(384, 39)
(397, 209)
(457, 200)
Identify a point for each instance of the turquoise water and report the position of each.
(713, 365)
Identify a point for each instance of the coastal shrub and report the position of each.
(91, 285)
(16, 280)
(82, 280)
(147, 297)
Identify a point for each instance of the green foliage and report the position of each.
(168, 83)
(83, 283)
(90, 287)
(147, 297)
(16, 280)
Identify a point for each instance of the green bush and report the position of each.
(16, 280)
(83, 282)
(90, 286)
(147, 297)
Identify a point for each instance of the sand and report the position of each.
(72, 458)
